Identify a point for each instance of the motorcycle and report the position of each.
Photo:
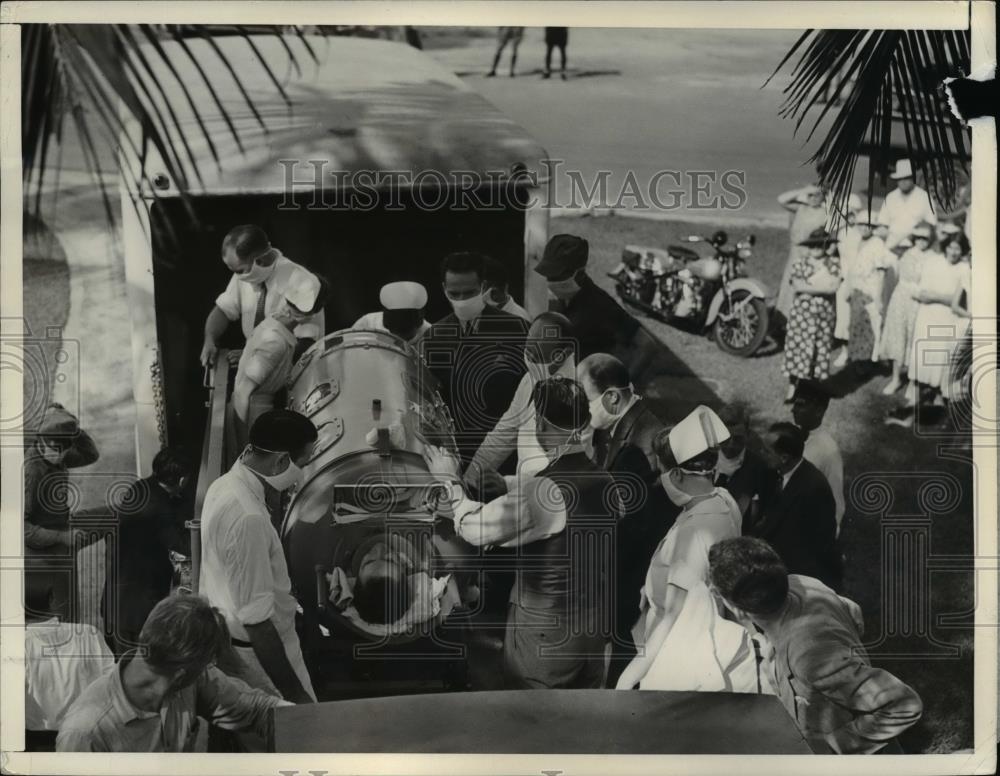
(713, 292)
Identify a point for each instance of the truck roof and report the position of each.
(366, 105)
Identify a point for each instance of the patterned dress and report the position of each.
(810, 324)
(804, 221)
(901, 314)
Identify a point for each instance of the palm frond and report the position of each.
(867, 81)
(109, 77)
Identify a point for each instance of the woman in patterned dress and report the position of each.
(936, 329)
(814, 279)
(901, 314)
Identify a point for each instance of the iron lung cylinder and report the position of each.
(375, 406)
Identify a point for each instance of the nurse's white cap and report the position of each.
(403, 295)
(702, 430)
(301, 289)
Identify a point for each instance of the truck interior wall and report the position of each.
(357, 251)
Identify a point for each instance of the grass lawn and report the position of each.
(913, 646)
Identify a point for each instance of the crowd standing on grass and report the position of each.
(721, 572)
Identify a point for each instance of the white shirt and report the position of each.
(512, 307)
(243, 570)
(788, 475)
(373, 321)
(517, 429)
(60, 662)
(823, 452)
(901, 212)
(532, 509)
(239, 301)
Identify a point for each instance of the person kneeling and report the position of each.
(151, 700)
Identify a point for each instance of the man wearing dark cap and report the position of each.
(244, 572)
(601, 324)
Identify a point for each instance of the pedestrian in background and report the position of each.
(814, 652)
(866, 294)
(556, 38)
(740, 468)
(905, 206)
(505, 35)
(821, 450)
(810, 212)
(815, 278)
(848, 242)
(901, 314)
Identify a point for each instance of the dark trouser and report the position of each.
(540, 652)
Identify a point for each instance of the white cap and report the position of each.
(903, 170)
(702, 430)
(301, 289)
(403, 295)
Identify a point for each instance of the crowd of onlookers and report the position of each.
(717, 565)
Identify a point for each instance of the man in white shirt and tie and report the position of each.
(256, 290)
(905, 206)
(549, 352)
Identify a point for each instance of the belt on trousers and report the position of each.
(240, 642)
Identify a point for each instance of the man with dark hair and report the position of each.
(255, 291)
(49, 542)
(602, 325)
(624, 428)
(475, 352)
(817, 661)
(799, 517)
(740, 469)
(151, 701)
(498, 292)
(549, 351)
(809, 405)
(244, 571)
(150, 523)
(382, 593)
(561, 520)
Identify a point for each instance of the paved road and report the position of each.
(646, 100)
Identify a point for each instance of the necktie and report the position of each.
(261, 298)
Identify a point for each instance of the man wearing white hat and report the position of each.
(685, 644)
(267, 359)
(905, 206)
(403, 313)
(260, 273)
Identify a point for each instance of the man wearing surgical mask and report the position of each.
(475, 352)
(624, 429)
(244, 572)
(255, 290)
(602, 325)
(549, 351)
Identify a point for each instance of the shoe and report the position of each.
(841, 360)
(910, 398)
(891, 388)
(563, 76)
(790, 394)
(491, 74)
(546, 74)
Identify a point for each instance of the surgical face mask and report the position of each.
(258, 273)
(564, 289)
(282, 481)
(51, 454)
(468, 309)
(675, 494)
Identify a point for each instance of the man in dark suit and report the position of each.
(741, 470)
(624, 429)
(150, 523)
(799, 517)
(476, 352)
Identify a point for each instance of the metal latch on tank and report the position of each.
(328, 435)
(319, 397)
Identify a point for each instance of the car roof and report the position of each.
(365, 105)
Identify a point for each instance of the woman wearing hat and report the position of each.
(685, 643)
(936, 327)
(814, 279)
(900, 316)
(865, 296)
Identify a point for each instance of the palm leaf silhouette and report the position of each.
(864, 80)
(111, 69)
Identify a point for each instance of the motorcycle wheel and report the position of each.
(742, 336)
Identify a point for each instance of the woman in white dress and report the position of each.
(936, 329)
(684, 639)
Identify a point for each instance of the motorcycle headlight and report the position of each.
(745, 253)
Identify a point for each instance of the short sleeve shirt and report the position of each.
(682, 557)
(239, 301)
